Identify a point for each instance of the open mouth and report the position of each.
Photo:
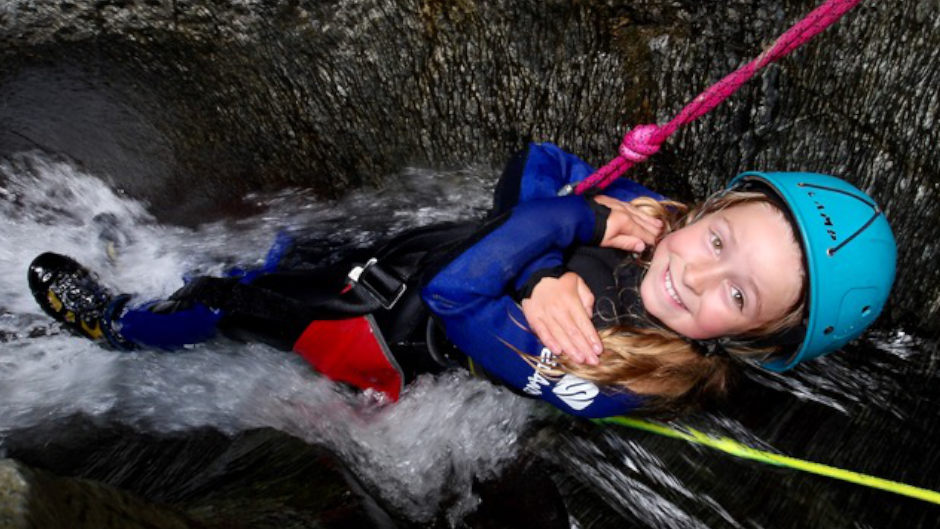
(671, 290)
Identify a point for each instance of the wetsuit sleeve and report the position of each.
(551, 263)
(470, 297)
(548, 168)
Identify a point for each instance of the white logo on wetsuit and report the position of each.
(535, 381)
(576, 392)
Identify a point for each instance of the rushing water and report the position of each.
(445, 431)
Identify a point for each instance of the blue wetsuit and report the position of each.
(472, 296)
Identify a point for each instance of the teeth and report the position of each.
(671, 290)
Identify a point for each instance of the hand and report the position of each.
(559, 312)
(628, 228)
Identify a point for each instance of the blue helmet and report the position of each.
(849, 253)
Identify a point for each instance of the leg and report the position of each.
(73, 295)
(210, 304)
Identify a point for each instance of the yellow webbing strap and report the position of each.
(472, 367)
(735, 448)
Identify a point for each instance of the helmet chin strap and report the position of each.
(788, 340)
(711, 347)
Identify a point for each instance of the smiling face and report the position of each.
(730, 272)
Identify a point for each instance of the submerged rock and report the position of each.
(199, 478)
(34, 499)
(98, 475)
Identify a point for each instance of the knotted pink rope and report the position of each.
(644, 140)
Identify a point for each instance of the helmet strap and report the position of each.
(788, 340)
(712, 347)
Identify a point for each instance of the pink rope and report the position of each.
(643, 141)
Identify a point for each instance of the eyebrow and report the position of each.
(758, 294)
(729, 228)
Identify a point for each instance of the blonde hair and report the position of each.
(655, 361)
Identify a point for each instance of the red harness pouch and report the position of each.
(353, 351)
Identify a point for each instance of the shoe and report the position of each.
(71, 294)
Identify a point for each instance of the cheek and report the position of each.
(712, 327)
(681, 237)
(665, 244)
(716, 319)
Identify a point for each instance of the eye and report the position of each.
(716, 243)
(738, 297)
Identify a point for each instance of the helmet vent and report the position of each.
(877, 211)
(828, 330)
(832, 251)
(866, 310)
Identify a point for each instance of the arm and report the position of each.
(559, 306)
(469, 296)
(490, 266)
(546, 169)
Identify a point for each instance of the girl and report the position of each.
(779, 267)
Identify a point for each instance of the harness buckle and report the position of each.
(381, 284)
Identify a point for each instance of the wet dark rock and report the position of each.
(258, 478)
(33, 499)
(522, 496)
(112, 474)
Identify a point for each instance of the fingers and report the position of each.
(648, 222)
(559, 314)
(566, 332)
(641, 219)
(541, 330)
(648, 225)
(587, 326)
(569, 330)
(627, 221)
(622, 232)
(587, 334)
(586, 296)
(580, 329)
(610, 202)
(627, 243)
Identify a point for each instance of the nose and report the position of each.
(699, 277)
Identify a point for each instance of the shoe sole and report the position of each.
(42, 271)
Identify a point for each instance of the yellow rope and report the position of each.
(735, 448)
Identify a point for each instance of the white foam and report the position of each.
(416, 454)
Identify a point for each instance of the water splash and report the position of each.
(842, 383)
(420, 455)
